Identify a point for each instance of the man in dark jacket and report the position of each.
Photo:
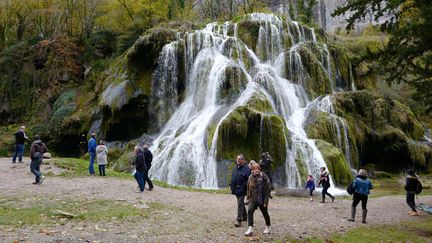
(140, 167)
(411, 185)
(20, 138)
(37, 149)
(148, 160)
(239, 179)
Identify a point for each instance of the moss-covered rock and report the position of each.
(248, 31)
(249, 132)
(232, 85)
(336, 162)
(385, 130)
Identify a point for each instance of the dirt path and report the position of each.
(192, 216)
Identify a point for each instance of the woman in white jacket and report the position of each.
(101, 157)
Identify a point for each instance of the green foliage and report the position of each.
(407, 56)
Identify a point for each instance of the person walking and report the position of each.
(148, 156)
(101, 157)
(238, 185)
(37, 149)
(92, 151)
(311, 186)
(258, 193)
(412, 184)
(140, 167)
(20, 138)
(325, 183)
(362, 186)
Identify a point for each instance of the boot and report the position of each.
(364, 213)
(322, 201)
(267, 230)
(249, 232)
(353, 213)
(237, 223)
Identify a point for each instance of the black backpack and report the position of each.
(419, 188)
(350, 188)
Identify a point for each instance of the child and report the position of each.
(101, 157)
(311, 185)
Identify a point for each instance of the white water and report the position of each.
(181, 153)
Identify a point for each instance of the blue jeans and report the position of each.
(92, 159)
(139, 177)
(19, 151)
(35, 169)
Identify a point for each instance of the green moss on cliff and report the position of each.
(250, 132)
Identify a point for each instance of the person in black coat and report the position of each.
(411, 185)
(20, 138)
(140, 167)
(148, 160)
(239, 179)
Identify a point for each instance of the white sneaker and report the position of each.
(41, 179)
(267, 230)
(249, 232)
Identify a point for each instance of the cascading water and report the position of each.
(182, 155)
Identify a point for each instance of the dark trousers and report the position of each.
(251, 209)
(359, 197)
(410, 200)
(310, 192)
(147, 179)
(324, 192)
(102, 170)
(139, 177)
(35, 169)
(241, 209)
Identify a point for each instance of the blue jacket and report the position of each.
(92, 145)
(239, 179)
(310, 185)
(362, 185)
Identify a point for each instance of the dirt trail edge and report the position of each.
(187, 217)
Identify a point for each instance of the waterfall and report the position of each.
(340, 125)
(182, 154)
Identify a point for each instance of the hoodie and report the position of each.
(38, 148)
(411, 184)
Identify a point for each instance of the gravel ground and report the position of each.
(187, 217)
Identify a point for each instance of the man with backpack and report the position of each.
(37, 149)
(413, 186)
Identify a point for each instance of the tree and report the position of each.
(407, 56)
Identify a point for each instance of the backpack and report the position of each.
(350, 188)
(419, 188)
